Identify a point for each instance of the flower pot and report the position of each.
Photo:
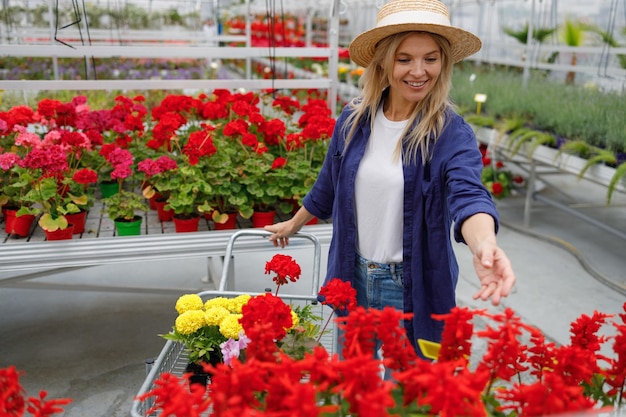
(197, 375)
(17, 225)
(186, 224)
(128, 228)
(153, 200)
(60, 234)
(263, 218)
(164, 215)
(230, 224)
(108, 188)
(78, 220)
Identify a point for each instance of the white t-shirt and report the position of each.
(379, 194)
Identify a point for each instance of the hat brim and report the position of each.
(462, 42)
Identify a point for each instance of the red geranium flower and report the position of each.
(339, 295)
(267, 308)
(285, 268)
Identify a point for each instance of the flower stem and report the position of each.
(325, 326)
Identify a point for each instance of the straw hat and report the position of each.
(413, 15)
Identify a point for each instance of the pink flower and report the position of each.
(25, 138)
(231, 349)
(7, 160)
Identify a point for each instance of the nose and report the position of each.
(417, 68)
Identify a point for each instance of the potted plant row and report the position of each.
(214, 155)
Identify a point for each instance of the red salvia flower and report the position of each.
(444, 388)
(616, 373)
(40, 407)
(551, 396)
(12, 401)
(234, 388)
(398, 352)
(362, 387)
(172, 398)
(540, 355)
(575, 365)
(505, 353)
(456, 339)
(360, 332)
(584, 331)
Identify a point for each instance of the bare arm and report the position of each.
(281, 231)
(490, 262)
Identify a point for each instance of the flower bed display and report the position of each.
(215, 153)
(519, 372)
(487, 364)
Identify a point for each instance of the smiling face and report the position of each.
(416, 69)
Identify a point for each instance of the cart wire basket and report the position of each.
(173, 357)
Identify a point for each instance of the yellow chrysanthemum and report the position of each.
(189, 302)
(190, 321)
(238, 302)
(294, 319)
(216, 302)
(215, 315)
(230, 326)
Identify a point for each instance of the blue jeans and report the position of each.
(377, 286)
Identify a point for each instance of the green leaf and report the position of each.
(620, 172)
(47, 222)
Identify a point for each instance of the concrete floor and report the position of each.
(92, 346)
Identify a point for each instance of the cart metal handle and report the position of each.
(317, 255)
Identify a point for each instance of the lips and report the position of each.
(416, 84)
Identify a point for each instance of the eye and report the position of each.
(432, 59)
(403, 60)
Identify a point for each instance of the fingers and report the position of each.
(276, 237)
(491, 290)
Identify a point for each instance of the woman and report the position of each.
(402, 168)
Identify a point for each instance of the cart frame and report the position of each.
(173, 356)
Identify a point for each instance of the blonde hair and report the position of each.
(428, 113)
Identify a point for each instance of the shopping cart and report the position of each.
(173, 357)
